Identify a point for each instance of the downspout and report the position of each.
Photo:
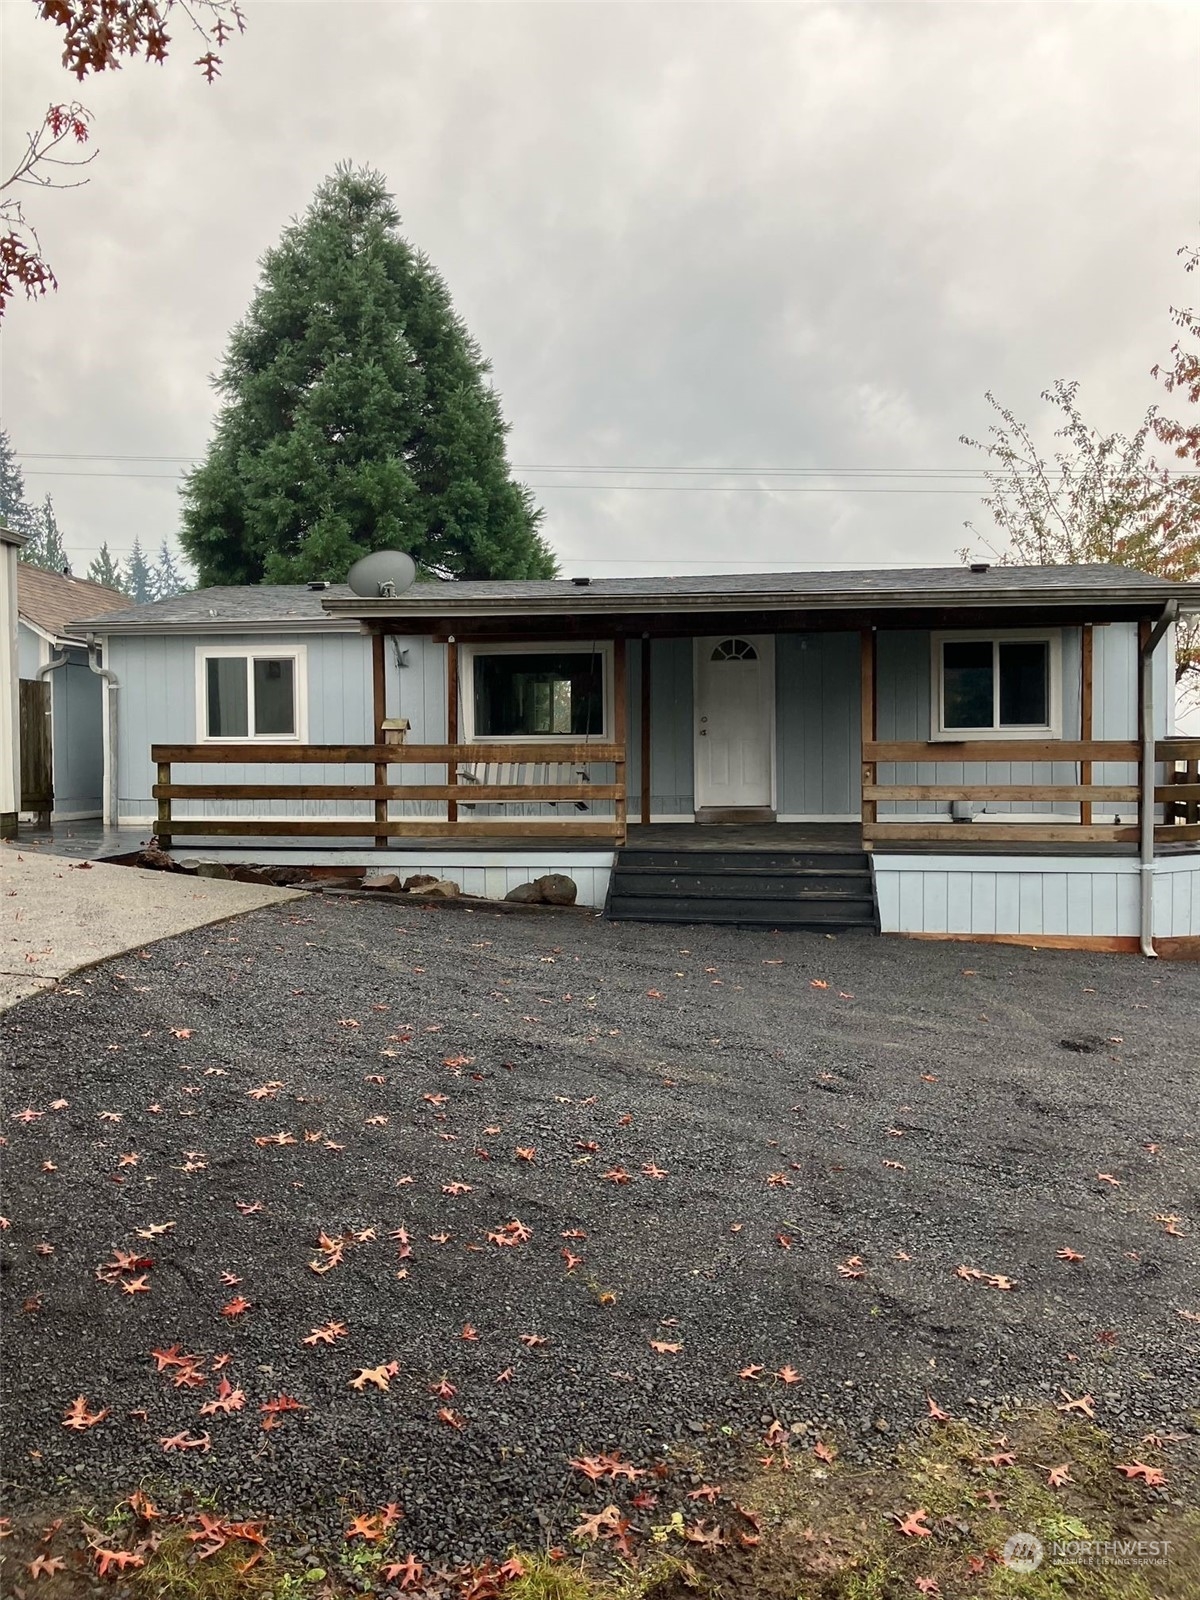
(111, 685)
(1148, 773)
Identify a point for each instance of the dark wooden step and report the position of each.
(746, 860)
(746, 913)
(653, 881)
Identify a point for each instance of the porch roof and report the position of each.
(914, 596)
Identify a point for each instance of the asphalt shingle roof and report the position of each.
(52, 601)
(283, 603)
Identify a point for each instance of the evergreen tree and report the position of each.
(166, 578)
(45, 547)
(103, 569)
(356, 416)
(15, 510)
(138, 576)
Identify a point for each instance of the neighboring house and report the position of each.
(11, 545)
(947, 751)
(62, 697)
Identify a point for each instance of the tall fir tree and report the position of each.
(15, 509)
(138, 576)
(103, 569)
(167, 578)
(357, 415)
(45, 547)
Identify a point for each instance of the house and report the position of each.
(950, 752)
(62, 697)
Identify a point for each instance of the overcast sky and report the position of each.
(716, 236)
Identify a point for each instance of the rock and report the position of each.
(156, 860)
(553, 889)
(525, 894)
(385, 880)
(213, 869)
(556, 889)
(440, 889)
(418, 881)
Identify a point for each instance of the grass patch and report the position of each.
(801, 1528)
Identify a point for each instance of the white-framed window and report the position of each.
(259, 695)
(529, 693)
(1000, 685)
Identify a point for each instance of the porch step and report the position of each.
(744, 888)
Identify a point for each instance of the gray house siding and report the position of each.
(817, 725)
(29, 651)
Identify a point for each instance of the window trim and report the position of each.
(940, 734)
(467, 654)
(297, 654)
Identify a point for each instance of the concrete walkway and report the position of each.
(58, 915)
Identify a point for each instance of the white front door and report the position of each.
(735, 693)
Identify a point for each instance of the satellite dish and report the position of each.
(383, 573)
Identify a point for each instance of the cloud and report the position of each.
(738, 235)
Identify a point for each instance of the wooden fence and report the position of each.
(382, 827)
(1178, 793)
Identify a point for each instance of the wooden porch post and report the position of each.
(620, 733)
(1085, 712)
(867, 669)
(379, 712)
(452, 721)
(645, 729)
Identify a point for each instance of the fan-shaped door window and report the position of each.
(735, 650)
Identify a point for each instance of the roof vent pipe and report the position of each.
(318, 583)
(581, 583)
(981, 566)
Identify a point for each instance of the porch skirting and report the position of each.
(1076, 901)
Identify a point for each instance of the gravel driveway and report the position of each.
(583, 1174)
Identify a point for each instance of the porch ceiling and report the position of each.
(467, 625)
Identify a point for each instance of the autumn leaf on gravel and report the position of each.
(236, 1307)
(616, 1175)
(121, 1559)
(381, 1376)
(710, 1492)
(895, 1166)
(1057, 1476)
(572, 1261)
(262, 1140)
(1170, 1225)
(332, 1254)
(228, 1399)
(704, 1533)
(185, 1441)
(78, 1417)
(1153, 1477)
(406, 1574)
(824, 1452)
(778, 1180)
(444, 1389)
(788, 1375)
(248, 1207)
(991, 1280)
(911, 1524)
(326, 1334)
(605, 1466)
(154, 1230)
(1067, 1254)
(927, 1586)
(935, 1410)
(665, 1348)
(650, 1170)
(45, 1566)
(532, 1341)
(1084, 1403)
(452, 1419)
(511, 1233)
(265, 1091)
(852, 1267)
(526, 1152)
(754, 1370)
(369, 1528)
(456, 1189)
(1107, 1177)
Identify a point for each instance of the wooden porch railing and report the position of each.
(1179, 794)
(381, 828)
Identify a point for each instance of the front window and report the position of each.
(526, 693)
(256, 695)
(999, 686)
